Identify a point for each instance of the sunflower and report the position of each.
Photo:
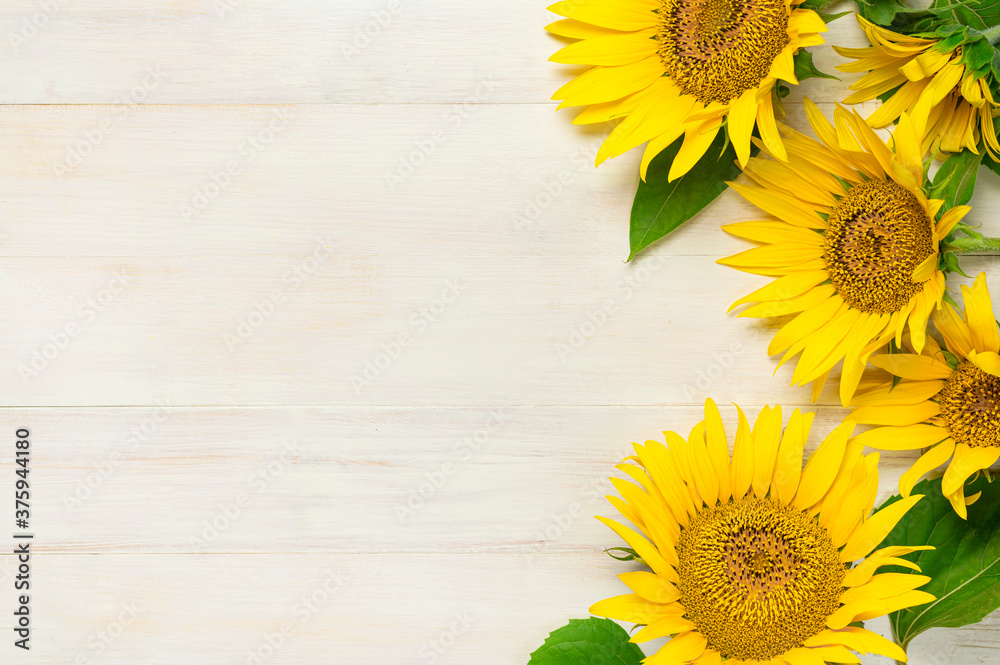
(855, 248)
(681, 67)
(944, 400)
(750, 556)
(947, 103)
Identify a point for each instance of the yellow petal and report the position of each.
(611, 50)
(701, 466)
(773, 232)
(909, 366)
(929, 461)
(634, 15)
(766, 438)
(867, 537)
(718, 449)
(821, 470)
(901, 415)
(769, 129)
(629, 607)
(908, 392)
(668, 625)
(788, 465)
(967, 461)
(605, 84)
(741, 123)
(643, 548)
(785, 287)
(782, 206)
(953, 328)
(567, 27)
(681, 649)
(742, 457)
(860, 640)
(804, 325)
(864, 571)
(652, 587)
(906, 144)
(697, 139)
(867, 610)
(910, 437)
(988, 361)
(979, 314)
(661, 111)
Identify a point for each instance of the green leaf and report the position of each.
(805, 69)
(661, 207)
(884, 13)
(817, 5)
(591, 641)
(991, 165)
(965, 566)
(830, 18)
(955, 181)
(979, 14)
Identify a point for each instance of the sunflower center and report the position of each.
(715, 50)
(970, 406)
(757, 578)
(877, 235)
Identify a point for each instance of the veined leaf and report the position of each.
(979, 14)
(805, 69)
(592, 641)
(661, 207)
(965, 566)
(955, 181)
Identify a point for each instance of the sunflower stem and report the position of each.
(993, 34)
(975, 245)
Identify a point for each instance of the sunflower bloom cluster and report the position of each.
(854, 248)
(750, 554)
(672, 68)
(945, 401)
(950, 107)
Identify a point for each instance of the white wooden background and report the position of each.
(175, 356)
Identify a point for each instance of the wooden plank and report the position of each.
(351, 479)
(490, 608)
(373, 330)
(296, 51)
(384, 180)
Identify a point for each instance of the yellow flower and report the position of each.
(949, 405)
(750, 555)
(855, 247)
(681, 67)
(948, 106)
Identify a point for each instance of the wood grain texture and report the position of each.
(289, 321)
